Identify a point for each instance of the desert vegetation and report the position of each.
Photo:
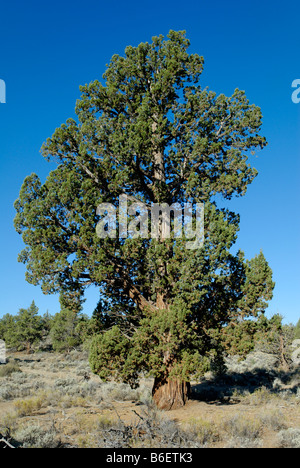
(51, 399)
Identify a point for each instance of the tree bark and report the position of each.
(170, 394)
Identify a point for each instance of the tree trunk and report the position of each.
(170, 394)
(28, 347)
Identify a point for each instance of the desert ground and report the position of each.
(50, 400)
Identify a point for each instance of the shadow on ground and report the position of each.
(225, 388)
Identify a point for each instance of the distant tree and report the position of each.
(240, 337)
(7, 329)
(297, 331)
(28, 327)
(86, 329)
(63, 333)
(47, 320)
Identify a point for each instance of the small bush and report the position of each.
(64, 383)
(273, 420)
(9, 369)
(8, 423)
(112, 391)
(123, 392)
(261, 396)
(7, 392)
(203, 431)
(240, 427)
(104, 423)
(29, 406)
(243, 442)
(289, 438)
(34, 436)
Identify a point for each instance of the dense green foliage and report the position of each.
(24, 329)
(297, 330)
(240, 337)
(67, 330)
(152, 133)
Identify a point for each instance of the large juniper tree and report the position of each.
(150, 132)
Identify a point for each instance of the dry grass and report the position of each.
(50, 400)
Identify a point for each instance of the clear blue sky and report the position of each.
(49, 48)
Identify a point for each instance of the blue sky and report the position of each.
(48, 49)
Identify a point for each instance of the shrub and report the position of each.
(261, 396)
(242, 428)
(151, 429)
(204, 431)
(34, 436)
(63, 330)
(273, 420)
(123, 392)
(104, 423)
(9, 369)
(64, 383)
(242, 432)
(24, 329)
(289, 438)
(243, 442)
(29, 406)
(7, 392)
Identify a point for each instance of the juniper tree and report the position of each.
(63, 332)
(29, 326)
(148, 132)
(23, 329)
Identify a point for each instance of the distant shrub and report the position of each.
(7, 392)
(63, 330)
(243, 442)
(243, 428)
(261, 396)
(104, 423)
(9, 369)
(123, 392)
(65, 383)
(289, 438)
(204, 431)
(273, 420)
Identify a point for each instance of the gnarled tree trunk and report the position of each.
(170, 394)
